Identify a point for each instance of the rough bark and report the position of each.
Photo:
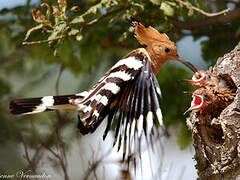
(217, 140)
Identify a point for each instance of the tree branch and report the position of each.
(95, 21)
(62, 155)
(189, 6)
(55, 154)
(221, 19)
(94, 164)
(31, 161)
(43, 41)
(58, 79)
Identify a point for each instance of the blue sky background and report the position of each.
(13, 3)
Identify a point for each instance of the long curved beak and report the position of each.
(186, 63)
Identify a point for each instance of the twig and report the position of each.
(58, 79)
(43, 41)
(95, 21)
(189, 6)
(221, 19)
(94, 165)
(32, 164)
(35, 158)
(62, 157)
(46, 146)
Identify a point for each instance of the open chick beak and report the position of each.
(197, 103)
(196, 83)
(197, 80)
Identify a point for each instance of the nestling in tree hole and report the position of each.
(215, 93)
(216, 139)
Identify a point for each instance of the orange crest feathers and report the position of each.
(147, 35)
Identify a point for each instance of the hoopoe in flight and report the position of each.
(127, 93)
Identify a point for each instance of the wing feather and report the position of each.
(114, 81)
(128, 94)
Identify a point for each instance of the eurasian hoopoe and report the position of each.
(128, 92)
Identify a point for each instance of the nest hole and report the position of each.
(229, 82)
(215, 134)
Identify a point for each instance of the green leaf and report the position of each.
(53, 35)
(73, 32)
(78, 19)
(190, 12)
(74, 8)
(79, 37)
(55, 52)
(167, 9)
(61, 27)
(141, 6)
(156, 2)
(62, 5)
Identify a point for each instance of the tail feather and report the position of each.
(41, 104)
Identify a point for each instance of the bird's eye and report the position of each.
(205, 96)
(167, 50)
(208, 76)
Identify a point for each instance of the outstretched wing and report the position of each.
(97, 104)
(128, 93)
(138, 111)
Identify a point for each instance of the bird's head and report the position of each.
(160, 48)
(204, 79)
(201, 99)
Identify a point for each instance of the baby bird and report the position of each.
(211, 101)
(207, 79)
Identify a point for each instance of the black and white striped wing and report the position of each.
(128, 93)
(138, 111)
(101, 98)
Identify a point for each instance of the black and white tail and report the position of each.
(41, 104)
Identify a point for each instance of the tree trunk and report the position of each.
(217, 140)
